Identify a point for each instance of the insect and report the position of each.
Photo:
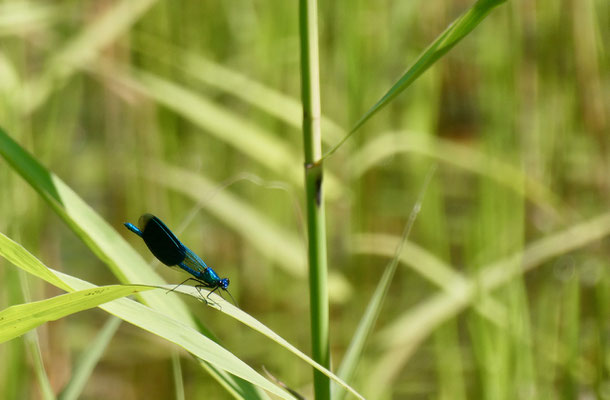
(170, 251)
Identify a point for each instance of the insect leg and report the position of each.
(182, 283)
(206, 299)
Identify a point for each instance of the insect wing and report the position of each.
(161, 241)
(193, 261)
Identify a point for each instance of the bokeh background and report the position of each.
(191, 111)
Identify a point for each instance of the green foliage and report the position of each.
(18, 319)
(193, 111)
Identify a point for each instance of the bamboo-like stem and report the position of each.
(316, 226)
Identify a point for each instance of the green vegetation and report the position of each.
(427, 218)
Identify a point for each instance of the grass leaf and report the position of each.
(82, 49)
(283, 107)
(124, 262)
(246, 319)
(468, 158)
(403, 336)
(276, 243)
(96, 233)
(461, 27)
(17, 320)
(90, 357)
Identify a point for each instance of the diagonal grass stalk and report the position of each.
(459, 29)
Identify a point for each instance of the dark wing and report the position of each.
(161, 241)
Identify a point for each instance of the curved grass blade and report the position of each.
(392, 143)
(241, 134)
(18, 319)
(22, 17)
(276, 243)
(369, 318)
(283, 107)
(430, 268)
(182, 335)
(461, 27)
(82, 49)
(90, 357)
(248, 320)
(156, 322)
(125, 263)
(406, 333)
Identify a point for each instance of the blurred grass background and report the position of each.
(190, 110)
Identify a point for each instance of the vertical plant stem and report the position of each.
(316, 226)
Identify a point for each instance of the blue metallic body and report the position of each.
(171, 252)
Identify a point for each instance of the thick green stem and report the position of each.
(316, 226)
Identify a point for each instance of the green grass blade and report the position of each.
(177, 374)
(373, 309)
(246, 319)
(100, 237)
(461, 27)
(20, 17)
(276, 243)
(182, 335)
(82, 49)
(239, 133)
(125, 263)
(279, 105)
(19, 319)
(33, 345)
(405, 334)
(86, 363)
(431, 268)
(468, 158)
(16, 320)
(91, 296)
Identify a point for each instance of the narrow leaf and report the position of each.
(406, 333)
(282, 246)
(468, 158)
(125, 263)
(82, 49)
(283, 107)
(88, 360)
(17, 320)
(441, 45)
(253, 323)
(373, 309)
